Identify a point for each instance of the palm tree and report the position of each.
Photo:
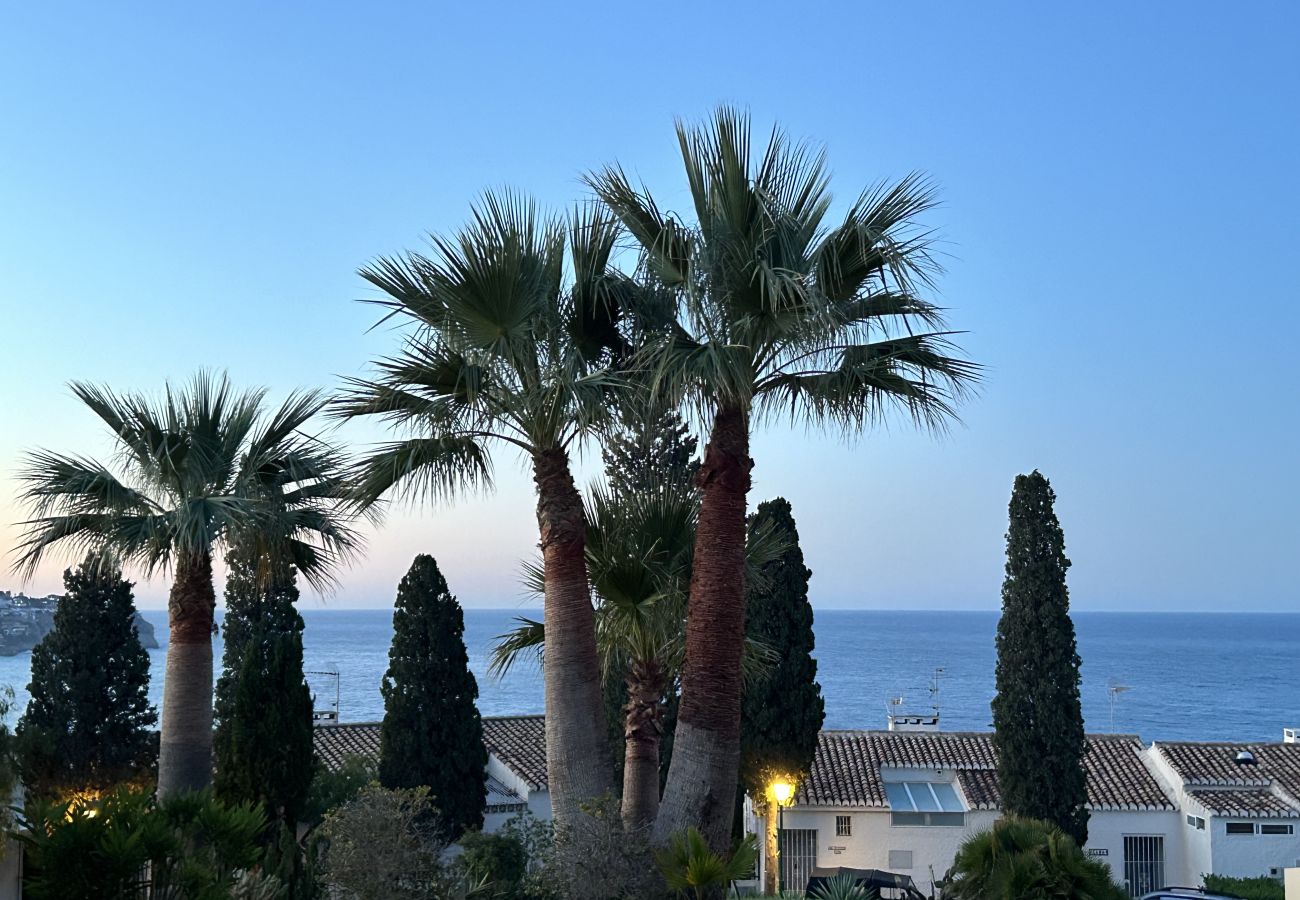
(1025, 859)
(780, 314)
(639, 551)
(194, 469)
(501, 353)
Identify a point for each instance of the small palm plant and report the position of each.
(691, 869)
(1025, 859)
(195, 469)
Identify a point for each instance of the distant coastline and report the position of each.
(25, 620)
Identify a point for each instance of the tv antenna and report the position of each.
(934, 688)
(328, 715)
(1115, 690)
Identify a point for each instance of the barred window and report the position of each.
(843, 826)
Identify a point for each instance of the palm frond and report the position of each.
(434, 468)
(527, 639)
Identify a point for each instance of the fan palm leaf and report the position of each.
(201, 466)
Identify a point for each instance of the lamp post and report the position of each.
(782, 791)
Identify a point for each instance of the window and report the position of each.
(1241, 828)
(1266, 828)
(1196, 822)
(843, 826)
(924, 803)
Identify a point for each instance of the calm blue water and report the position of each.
(1191, 676)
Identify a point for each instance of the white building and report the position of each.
(904, 801)
(516, 769)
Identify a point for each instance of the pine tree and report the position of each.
(87, 725)
(432, 735)
(263, 739)
(781, 712)
(651, 450)
(1037, 717)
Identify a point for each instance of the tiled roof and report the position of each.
(335, 743)
(1274, 776)
(1249, 803)
(846, 769)
(518, 741)
(1216, 764)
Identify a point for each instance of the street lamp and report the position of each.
(782, 791)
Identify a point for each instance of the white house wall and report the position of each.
(1107, 829)
(1252, 855)
(934, 848)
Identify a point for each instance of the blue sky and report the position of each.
(185, 187)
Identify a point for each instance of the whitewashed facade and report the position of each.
(1160, 815)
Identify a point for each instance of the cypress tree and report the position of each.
(432, 735)
(1037, 717)
(782, 712)
(263, 738)
(87, 725)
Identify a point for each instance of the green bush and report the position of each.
(1025, 859)
(187, 846)
(498, 861)
(691, 869)
(330, 790)
(1262, 888)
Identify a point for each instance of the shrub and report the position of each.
(1262, 888)
(691, 869)
(189, 845)
(330, 790)
(1025, 859)
(497, 861)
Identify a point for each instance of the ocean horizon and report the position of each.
(1161, 675)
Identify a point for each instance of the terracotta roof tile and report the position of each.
(335, 743)
(846, 768)
(1249, 803)
(518, 741)
(1216, 764)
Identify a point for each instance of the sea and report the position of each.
(1163, 676)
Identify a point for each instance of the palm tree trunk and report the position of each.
(642, 732)
(579, 766)
(185, 752)
(701, 789)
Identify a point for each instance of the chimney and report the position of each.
(1291, 735)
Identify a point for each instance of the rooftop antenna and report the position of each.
(328, 715)
(934, 688)
(1115, 690)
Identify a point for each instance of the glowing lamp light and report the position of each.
(782, 791)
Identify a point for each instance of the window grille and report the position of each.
(798, 857)
(843, 826)
(1144, 863)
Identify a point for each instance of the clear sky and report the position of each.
(186, 185)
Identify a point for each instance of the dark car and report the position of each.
(885, 885)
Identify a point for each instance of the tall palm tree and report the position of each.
(780, 314)
(502, 353)
(639, 550)
(193, 469)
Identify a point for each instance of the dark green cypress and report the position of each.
(263, 738)
(432, 735)
(1037, 717)
(87, 725)
(782, 712)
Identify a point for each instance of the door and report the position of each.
(798, 857)
(1144, 863)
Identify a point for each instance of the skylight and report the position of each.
(922, 796)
